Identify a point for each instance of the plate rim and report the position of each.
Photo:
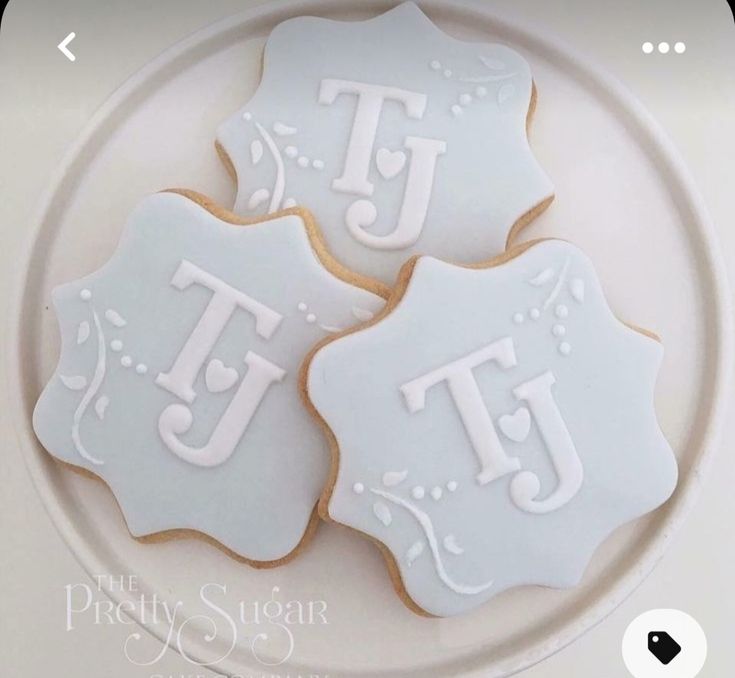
(475, 662)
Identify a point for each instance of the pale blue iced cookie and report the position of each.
(177, 382)
(494, 427)
(400, 138)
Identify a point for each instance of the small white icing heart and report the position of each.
(218, 377)
(516, 426)
(389, 163)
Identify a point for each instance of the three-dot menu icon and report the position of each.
(663, 47)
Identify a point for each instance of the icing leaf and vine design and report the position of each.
(311, 318)
(499, 74)
(388, 499)
(554, 281)
(92, 385)
(275, 195)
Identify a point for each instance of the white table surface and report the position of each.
(45, 101)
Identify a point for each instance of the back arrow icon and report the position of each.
(63, 46)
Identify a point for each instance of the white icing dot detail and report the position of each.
(558, 330)
(126, 361)
(116, 345)
(140, 368)
(291, 151)
(518, 318)
(447, 73)
(534, 314)
(456, 110)
(418, 492)
(480, 91)
(302, 306)
(303, 161)
(436, 493)
(247, 116)
(465, 99)
(561, 311)
(435, 65)
(452, 485)
(311, 318)
(86, 295)
(358, 488)
(565, 348)
(318, 164)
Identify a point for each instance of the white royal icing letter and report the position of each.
(419, 185)
(370, 100)
(494, 462)
(177, 419)
(179, 380)
(567, 464)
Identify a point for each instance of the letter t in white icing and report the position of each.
(370, 99)
(494, 462)
(225, 300)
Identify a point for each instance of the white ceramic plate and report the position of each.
(622, 195)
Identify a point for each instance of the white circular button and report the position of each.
(647, 47)
(663, 47)
(680, 48)
(664, 644)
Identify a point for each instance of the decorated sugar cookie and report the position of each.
(177, 380)
(401, 138)
(493, 427)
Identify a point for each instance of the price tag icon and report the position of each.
(662, 646)
(679, 651)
